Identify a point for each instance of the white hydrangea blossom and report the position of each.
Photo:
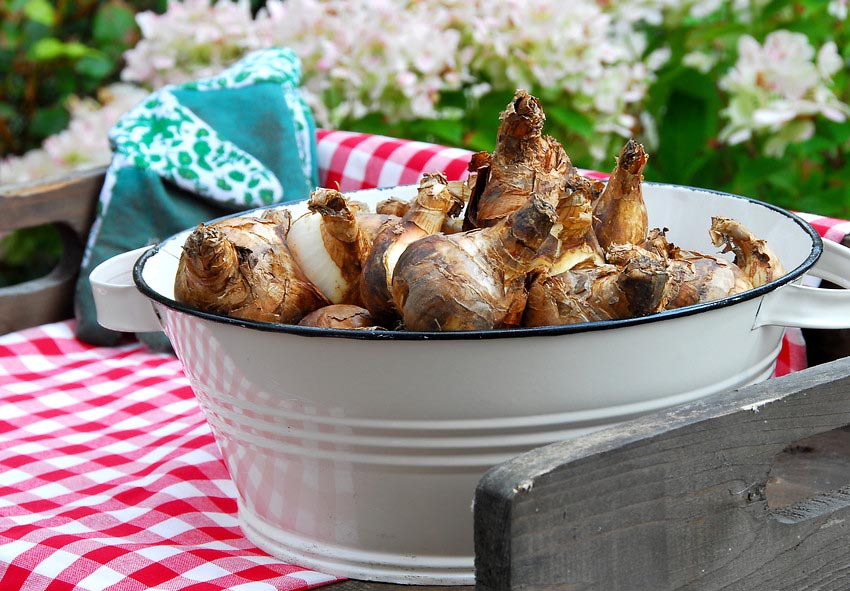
(84, 143)
(740, 10)
(838, 8)
(32, 165)
(657, 12)
(396, 57)
(701, 61)
(368, 56)
(594, 56)
(192, 39)
(776, 89)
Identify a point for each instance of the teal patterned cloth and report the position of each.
(197, 151)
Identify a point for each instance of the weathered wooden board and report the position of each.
(68, 203)
(70, 200)
(679, 499)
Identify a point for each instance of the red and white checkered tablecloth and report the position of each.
(109, 475)
(110, 478)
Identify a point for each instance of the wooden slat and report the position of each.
(676, 500)
(68, 203)
(810, 465)
(70, 200)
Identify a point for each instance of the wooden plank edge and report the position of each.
(501, 485)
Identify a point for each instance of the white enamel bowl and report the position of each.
(357, 453)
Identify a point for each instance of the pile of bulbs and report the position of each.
(524, 241)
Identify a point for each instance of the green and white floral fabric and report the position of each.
(197, 151)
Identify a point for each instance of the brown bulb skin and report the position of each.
(432, 205)
(339, 316)
(241, 267)
(525, 162)
(474, 280)
(620, 215)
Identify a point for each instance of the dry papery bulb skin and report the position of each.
(632, 284)
(574, 243)
(340, 316)
(397, 207)
(473, 280)
(393, 206)
(330, 243)
(695, 278)
(620, 215)
(753, 255)
(241, 267)
(431, 206)
(524, 162)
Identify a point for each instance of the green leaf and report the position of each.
(837, 132)
(114, 23)
(372, 123)
(683, 137)
(10, 35)
(785, 180)
(757, 169)
(687, 121)
(762, 178)
(50, 48)
(28, 254)
(445, 131)
(48, 121)
(494, 102)
(7, 111)
(40, 11)
(16, 5)
(834, 202)
(478, 141)
(95, 66)
(573, 121)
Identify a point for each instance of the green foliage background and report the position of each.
(50, 51)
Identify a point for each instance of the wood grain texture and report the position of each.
(70, 200)
(809, 466)
(69, 204)
(674, 500)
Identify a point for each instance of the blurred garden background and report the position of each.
(745, 96)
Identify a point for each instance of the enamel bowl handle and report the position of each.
(119, 305)
(813, 307)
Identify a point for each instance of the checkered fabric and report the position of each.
(110, 478)
(362, 161)
(829, 228)
(109, 475)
